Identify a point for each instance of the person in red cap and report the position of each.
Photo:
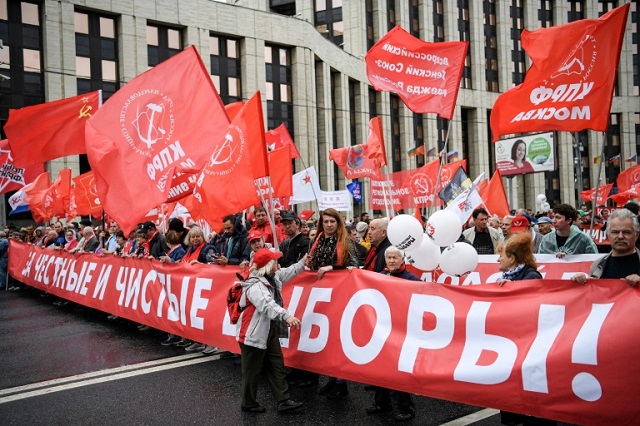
(522, 224)
(256, 242)
(261, 324)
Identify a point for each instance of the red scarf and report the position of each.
(192, 253)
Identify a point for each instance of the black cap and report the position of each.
(176, 224)
(289, 215)
(148, 225)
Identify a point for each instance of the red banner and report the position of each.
(548, 348)
(569, 86)
(426, 76)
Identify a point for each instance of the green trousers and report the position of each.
(254, 360)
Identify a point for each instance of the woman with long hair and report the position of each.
(331, 249)
(519, 155)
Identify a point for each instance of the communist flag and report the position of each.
(603, 194)
(85, 195)
(628, 178)
(56, 199)
(426, 76)
(233, 109)
(164, 121)
(226, 184)
(622, 198)
(422, 182)
(494, 196)
(364, 160)
(43, 132)
(280, 171)
(375, 142)
(34, 197)
(570, 84)
(279, 137)
(13, 178)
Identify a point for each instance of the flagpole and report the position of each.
(312, 187)
(595, 194)
(443, 159)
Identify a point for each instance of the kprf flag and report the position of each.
(421, 182)
(339, 200)
(280, 171)
(13, 178)
(355, 188)
(363, 160)
(306, 186)
(426, 76)
(603, 194)
(494, 196)
(570, 84)
(164, 121)
(43, 132)
(622, 198)
(85, 195)
(226, 184)
(628, 178)
(279, 137)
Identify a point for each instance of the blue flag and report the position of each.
(355, 188)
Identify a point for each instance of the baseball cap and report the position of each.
(519, 224)
(264, 256)
(254, 235)
(148, 225)
(290, 215)
(544, 219)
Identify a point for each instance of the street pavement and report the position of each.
(71, 366)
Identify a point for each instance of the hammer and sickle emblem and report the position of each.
(85, 111)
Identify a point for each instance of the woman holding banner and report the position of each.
(331, 249)
(517, 263)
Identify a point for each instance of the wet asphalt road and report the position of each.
(100, 372)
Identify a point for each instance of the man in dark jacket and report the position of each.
(232, 245)
(379, 242)
(296, 245)
(157, 244)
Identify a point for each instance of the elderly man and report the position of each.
(623, 262)
(482, 237)
(544, 225)
(506, 225)
(375, 260)
(566, 238)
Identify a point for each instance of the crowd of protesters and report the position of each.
(324, 245)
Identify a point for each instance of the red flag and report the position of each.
(570, 83)
(426, 76)
(13, 178)
(43, 132)
(422, 181)
(628, 178)
(164, 121)
(85, 195)
(226, 184)
(182, 186)
(375, 142)
(603, 194)
(35, 192)
(280, 171)
(622, 198)
(279, 137)
(494, 197)
(233, 109)
(56, 199)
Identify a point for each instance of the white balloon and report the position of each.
(545, 207)
(458, 260)
(405, 232)
(426, 257)
(541, 198)
(444, 227)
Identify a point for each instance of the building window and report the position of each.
(373, 103)
(414, 18)
(442, 125)
(464, 32)
(335, 87)
(224, 56)
(354, 91)
(438, 20)
(466, 115)
(575, 10)
(278, 91)
(612, 148)
(391, 14)
(490, 46)
(604, 7)
(582, 162)
(328, 19)
(418, 137)
(96, 53)
(396, 139)
(162, 43)
(517, 52)
(371, 37)
(545, 13)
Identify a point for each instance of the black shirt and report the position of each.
(561, 241)
(621, 266)
(482, 242)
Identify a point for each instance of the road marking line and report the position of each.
(472, 418)
(107, 372)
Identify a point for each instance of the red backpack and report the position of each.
(233, 299)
